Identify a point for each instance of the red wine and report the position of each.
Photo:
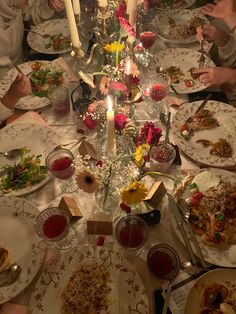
(158, 92)
(161, 264)
(54, 226)
(131, 236)
(147, 39)
(62, 168)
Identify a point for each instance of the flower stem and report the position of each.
(107, 186)
(117, 50)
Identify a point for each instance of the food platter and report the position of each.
(183, 60)
(217, 254)
(177, 26)
(226, 277)
(226, 116)
(127, 293)
(31, 102)
(35, 137)
(50, 27)
(18, 215)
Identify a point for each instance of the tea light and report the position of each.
(110, 141)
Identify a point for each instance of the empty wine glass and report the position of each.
(131, 233)
(154, 92)
(147, 39)
(60, 162)
(53, 225)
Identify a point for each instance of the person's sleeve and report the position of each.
(227, 53)
(37, 11)
(4, 112)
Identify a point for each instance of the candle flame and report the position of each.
(109, 103)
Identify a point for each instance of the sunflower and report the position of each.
(87, 181)
(113, 46)
(140, 152)
(134, 194)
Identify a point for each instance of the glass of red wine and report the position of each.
(131, 233)
(60, 162)
(154, 92)
(147, 38)
(53, 225)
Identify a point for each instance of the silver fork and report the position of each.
(202, 58)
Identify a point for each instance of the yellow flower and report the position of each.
(112, 47)
(87, 181)
(134, 194)
(141, 151)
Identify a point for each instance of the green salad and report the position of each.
(26, 173)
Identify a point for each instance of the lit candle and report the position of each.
(102, 3)
(76, 7)
(132, 12)
(72, 24)
(128, 71)
(110, 140)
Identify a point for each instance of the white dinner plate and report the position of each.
(30, 102)
(183, 58)
(180, 17)
(50, 27)
(226, 115)
(224, 256)
(220, 276)
(176, 4)
(18, 235)
(35, 137)
(127, 291)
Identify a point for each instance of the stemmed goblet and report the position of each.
(53, 225)
(60, 162)
(154, 92)
(147, 39)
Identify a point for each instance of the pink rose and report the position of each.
(90, 123)
(118, 89)
(120, 121)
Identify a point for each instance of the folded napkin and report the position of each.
(10, 308)
(28, 117)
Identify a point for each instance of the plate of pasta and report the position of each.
(90, 280)
(177, 26)
(213, 292)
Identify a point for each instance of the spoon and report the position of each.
(13, 153)
(10, 274)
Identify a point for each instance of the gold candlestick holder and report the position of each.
(77, 53)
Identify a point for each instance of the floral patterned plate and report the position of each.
(224, 256)
(226, 115)
(39, 139)
(176, 4)
(181, 17)
(50, 27)
(18, 235)
(127, 295)
(184, 59)
(30, 102)
(220, 276)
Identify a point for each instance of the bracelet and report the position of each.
(233, 29)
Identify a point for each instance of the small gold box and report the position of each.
(69, 205)
(100, 224)
(155, 194)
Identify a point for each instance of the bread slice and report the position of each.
(4, 258)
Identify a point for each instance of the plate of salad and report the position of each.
(27, 173)
(58, 40)
(43, 75)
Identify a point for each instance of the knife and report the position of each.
(203, 104)
(179, 220)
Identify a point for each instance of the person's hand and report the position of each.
(19, 88)
(57, 5)
(224, 9)
(216, 76)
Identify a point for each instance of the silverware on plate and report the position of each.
(203, 104)
(10, 274)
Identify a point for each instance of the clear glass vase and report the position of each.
(107, 199)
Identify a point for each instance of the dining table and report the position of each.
(49, 195)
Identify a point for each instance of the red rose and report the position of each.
(153, 136)
(120, 121)
(90, 123)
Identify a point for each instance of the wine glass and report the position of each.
(60, 162)
(53, 225)
(154, 92)
(131, 233)
(147, 38)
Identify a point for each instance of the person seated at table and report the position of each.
(12, 27)
(19, 88)
(225, 74)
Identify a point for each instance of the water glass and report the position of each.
(59, 97)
